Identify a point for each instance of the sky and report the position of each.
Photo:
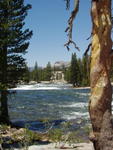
(48, 20)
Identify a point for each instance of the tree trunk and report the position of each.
(101, 90)
(4, 117)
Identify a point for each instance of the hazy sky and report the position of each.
(48, 20)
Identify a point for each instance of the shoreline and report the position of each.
(86, 87)
(47, 86)
(52, 146)
(16, 138)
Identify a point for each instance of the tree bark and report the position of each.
(4, 117)
(101, 90)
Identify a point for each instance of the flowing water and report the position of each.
(57, 102)
(51, 101)
(32, 104)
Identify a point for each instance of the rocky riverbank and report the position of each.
(52, 146)
(54, 138)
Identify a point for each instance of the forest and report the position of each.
(77, 73)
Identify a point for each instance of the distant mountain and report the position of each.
(61, 64)
(57, 64)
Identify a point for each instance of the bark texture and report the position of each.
(106, 135)
(101, 90)
(4, 117)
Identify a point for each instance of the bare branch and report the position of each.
(70, 26)
(71, 42)
(67, 4)
(87, 50)
(47, 130)
(89, 37)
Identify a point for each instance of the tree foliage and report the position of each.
(48, 72)
(78, 72)
(13, 45)
(41, 74)
(74, 71)
(13, 40)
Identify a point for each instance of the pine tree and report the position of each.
(86, 70)
(67, 74)
(13, 45)
(74, 70)
(26, 75)
(80, 73)
(48, 72)
(36, 73)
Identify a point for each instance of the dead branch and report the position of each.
(87, 50)
(89, 37)
(70, 26)
(67, 4)
(71, 42)
(47, 130)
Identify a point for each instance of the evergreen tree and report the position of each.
(26, 75)
(48, 72)
(36, 73)
(80, 73)
(74, 70)
(67, 74)
(13, 44)
(85, 70)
